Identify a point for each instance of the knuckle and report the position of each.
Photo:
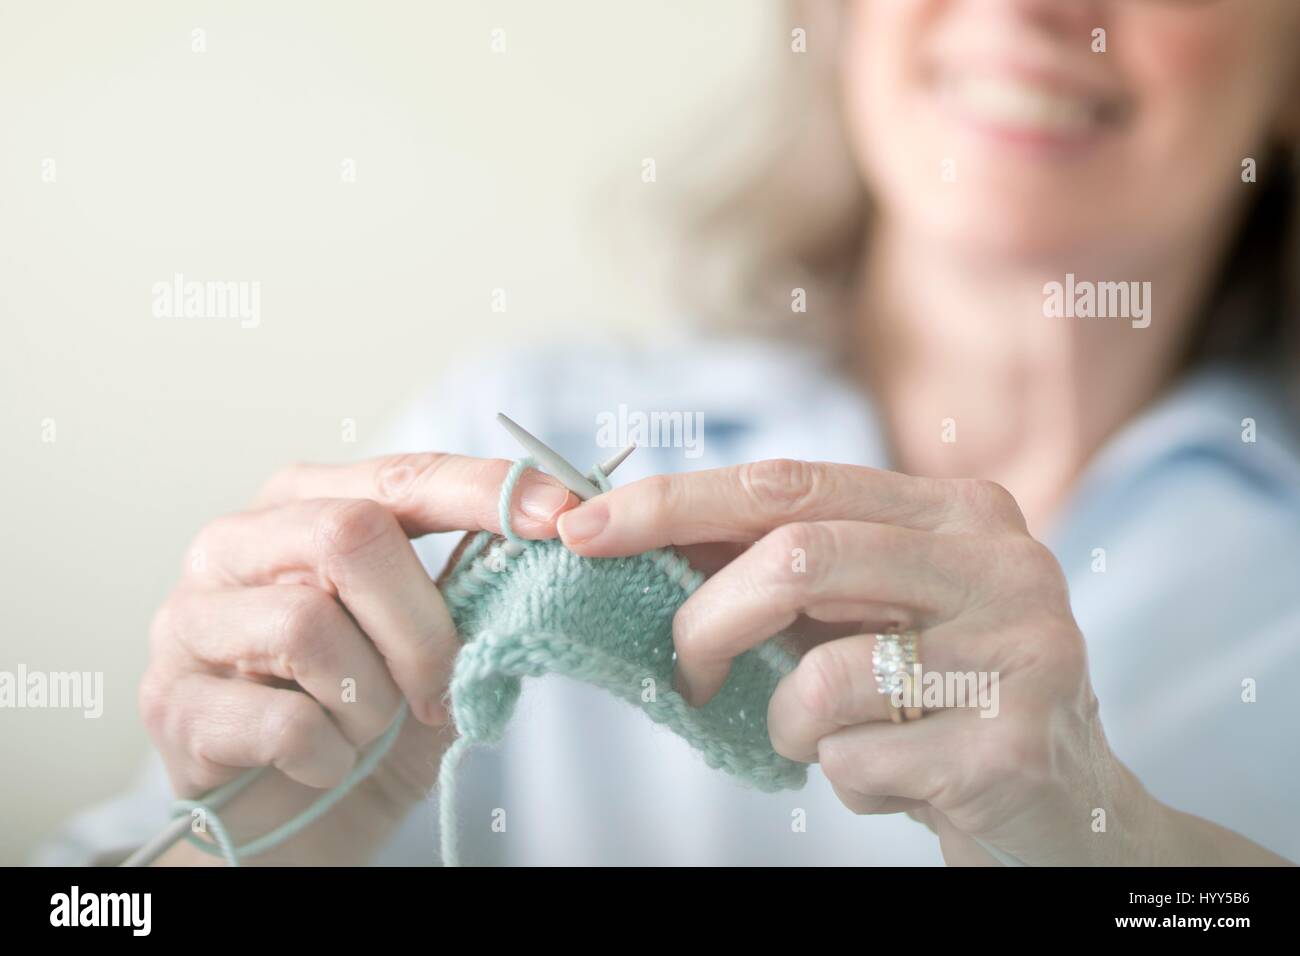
(347, 527)
(152, 699)
(803, 536)
(202, 544)
(199, 743)
(782, 484)
(193, 728)
(1033, 565)
(1062, 656)
(838, 763)
(1072, 652)
(820, 683)
(663, 493)
(402, 475)
(689, 638)
(814, 541)
(293, 725)
(165, 625)
(301, 633)
(1031, 555)
(989, 502)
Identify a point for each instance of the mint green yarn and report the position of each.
(529, 608)
(217, 798)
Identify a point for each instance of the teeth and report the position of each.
(1017, 103)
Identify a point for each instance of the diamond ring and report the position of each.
(897, 668)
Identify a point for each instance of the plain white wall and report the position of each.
(474, 170)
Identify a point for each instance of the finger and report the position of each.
(430, 492)
(208, 727)
(831, 570)
(834, 686)
(355, 550)
(745, 502)
(882, 759)
(876, 805)
(289, 632)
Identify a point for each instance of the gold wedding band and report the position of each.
(896, 663)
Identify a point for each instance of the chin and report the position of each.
(988, 225)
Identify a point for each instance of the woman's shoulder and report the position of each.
(1229, 425)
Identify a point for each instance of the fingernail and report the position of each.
(584, 522)
(541, 500)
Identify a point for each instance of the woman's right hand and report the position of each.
(297, 629)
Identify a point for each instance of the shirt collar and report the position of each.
(1210, 413)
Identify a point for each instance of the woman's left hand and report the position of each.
(1027, 769)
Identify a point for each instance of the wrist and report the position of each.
(1127, 822)
(1142, 822)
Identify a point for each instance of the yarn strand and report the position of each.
(234, 855)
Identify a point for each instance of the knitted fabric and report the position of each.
(529, 608)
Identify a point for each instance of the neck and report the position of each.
(974, 381)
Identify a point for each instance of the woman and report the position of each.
(1075, 502)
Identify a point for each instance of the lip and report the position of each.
(1019, 103)
(1040, 69)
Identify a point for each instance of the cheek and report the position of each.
(1207, 91)
(879, 74)
(1187, 65)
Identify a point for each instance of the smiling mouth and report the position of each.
(1027, 106)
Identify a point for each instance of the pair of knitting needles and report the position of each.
(569, 476)
(564, 472)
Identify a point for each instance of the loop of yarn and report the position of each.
(226, 848)
(528, 608)
(507, 495)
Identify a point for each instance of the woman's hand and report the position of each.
(298, 628)
(1029, 772)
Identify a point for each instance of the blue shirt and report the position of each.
(1181, 543)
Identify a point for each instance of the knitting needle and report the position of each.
(160, 843)
(555, 463)
(170, 834)
(608, 467)
(567, 475)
